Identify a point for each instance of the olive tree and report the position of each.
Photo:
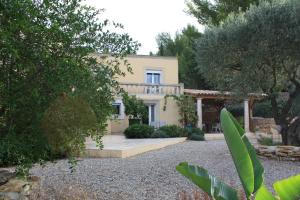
(257, 51)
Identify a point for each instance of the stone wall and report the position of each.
(13, 188)
(290, 153)
(263, 124)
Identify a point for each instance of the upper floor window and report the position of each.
(153, 77)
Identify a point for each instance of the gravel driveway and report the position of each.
(151, 175)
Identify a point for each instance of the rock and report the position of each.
(289, 153)
(9, 196)
(5, 176)
(13, 185)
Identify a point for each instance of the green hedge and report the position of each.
(174, 131)
(139, 131)
(168, 131)
(195, 134)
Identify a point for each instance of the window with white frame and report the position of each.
(153, 77)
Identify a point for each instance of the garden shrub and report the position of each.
(268, 141)
(22, 149)
(196, 137)
(139, 131)
(195, 134)
(174, 131)
(159, 134)
(66, 124)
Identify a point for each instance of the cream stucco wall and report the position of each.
(168, 67)
(140, 64)
(119, 125)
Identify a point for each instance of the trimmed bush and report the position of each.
(174, 131)
(139, 131)
(196, 137)
(159, 134)
(195, 134)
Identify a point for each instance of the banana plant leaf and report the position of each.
(257, 166)
(239, 152)
(288, 189)
(264, 194)
(215, 188)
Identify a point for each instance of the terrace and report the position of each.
(153, 89)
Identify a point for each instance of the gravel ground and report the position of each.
(151, 175)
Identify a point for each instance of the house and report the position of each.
(154, 77)
(151, 79)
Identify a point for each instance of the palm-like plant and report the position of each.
(248, 166)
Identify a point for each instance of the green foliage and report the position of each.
(16, 149)
(256, 52)
(208, 183)
(159, 134)
(174, 131)
(66, 124)
(249, 169)
(195, 134)
(215, 11)
(288, 189)
(139, 131)
(47, 49)
(187, 110)
(182, 46)
(146, 131)
(135, 108)
(196, 137)
(268, 141)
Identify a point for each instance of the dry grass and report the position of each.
(200, 195)
(74, 192)
(196, 195)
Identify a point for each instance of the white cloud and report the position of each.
(144, 19)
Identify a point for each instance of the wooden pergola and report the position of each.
(215, 97)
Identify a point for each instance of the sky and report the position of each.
(144, 19)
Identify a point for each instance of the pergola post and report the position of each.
(246, 116)
(199, 112)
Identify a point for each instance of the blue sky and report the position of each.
(144, 19)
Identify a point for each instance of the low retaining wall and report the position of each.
(289, 153)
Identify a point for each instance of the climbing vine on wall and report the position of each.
(187, 109)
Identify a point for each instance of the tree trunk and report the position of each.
(284, 134)
(293, 133)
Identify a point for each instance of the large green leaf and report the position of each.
(208, 183)
(288, 189)
(239, 152)
(257, 166)
(264, 194)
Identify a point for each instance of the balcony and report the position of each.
(152, 89)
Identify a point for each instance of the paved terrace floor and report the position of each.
(117, 146)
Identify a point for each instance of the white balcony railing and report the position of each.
(153, 89)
